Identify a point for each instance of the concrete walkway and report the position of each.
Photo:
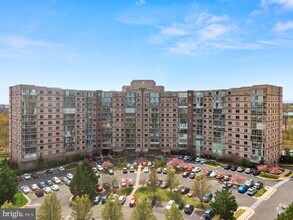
(247, 214)
(136, 186)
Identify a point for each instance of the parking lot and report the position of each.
(159, 209)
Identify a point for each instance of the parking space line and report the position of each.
(192, 213)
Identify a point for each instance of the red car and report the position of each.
(90, 159)
(132, 202)
(144, 163)
(190, 169)
(20, 179)
(185, 174)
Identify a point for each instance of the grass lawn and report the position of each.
(269, 176)
(260, 192)
(238, 213)
(288, 174)
(164, 195)
(19, 200)
(125, 191)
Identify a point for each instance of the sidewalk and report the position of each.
(247, 214)
(136, 186)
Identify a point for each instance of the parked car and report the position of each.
(184, 190)
(190, 194)
(132, 202)
(248, 170)
(47, 190)
(34, 187)
(255, 172)
(49, 172)
(251, 191)
(207, 197)
(164, 185)
(123, 182)
(159, 170)
(97, 200)
(196, 169)
(61, 169)
(69, 176)
(169, 204)
(229, 184)
(39, 192)
(220, 176)
(188, 209)
(25, 189)
(208, 172)
(94, 169)
(242, 189)
(146, 170)
(240, 169)
(20, 179)
(100, 168)
(144, 163)
(104, 198)
(42, 184)
(130, 182)
(233, 168)
(165, 171)
(185, 174)
(159, 182)
(124, 170)
(249, 183)
(226, 178)
(258, 185)
(122, 199)
(55, 187)
(56, 180)
(49, 182)
(178, 188)
(35, 176)
(110, 172)
(26, 176)
(67, 182)
(106, 186)
(214, 174)
(208, 214)
(131, 169)
(191, 175)
(227, 166)
(115, 184)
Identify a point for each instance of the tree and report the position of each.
(287, 214)
(8, 184)
(152, 183)
(7, 205)
(50, 208)
(201, 186)
(262, 168)
(112, 210)
(174, 213)
(176, 162)
(142, 180)
(143, 211)
(107, 164)
(224, 204)
(81, 208)
(172, 178)
(238, 179)
(245, 162)
(84, 181)
(275, 170)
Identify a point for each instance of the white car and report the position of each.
(34, 187)
(146, 170)
(55, 187)
(25, 189)
(56, 180)
(130, 182)
(169, 204)
(122, 200)
(61, 169)
(123, 182)
(196, 169)
(214, 173)
(47, 189)
(100, 168)
(95, 169)
(26, 176)
(69, 176)
(150, 163)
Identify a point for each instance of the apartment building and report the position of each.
(143, 118)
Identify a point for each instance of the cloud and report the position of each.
(173, 31)
(285, 3)
(140, 2)
(21, 42)
(214, 31)
(283, 26)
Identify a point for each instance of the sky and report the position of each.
(181, 44)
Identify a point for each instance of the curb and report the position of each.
(247, 214)
(28, 201)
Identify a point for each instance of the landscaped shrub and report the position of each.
(267, 175)
(288, 174)
(262, 168)
(275, 170)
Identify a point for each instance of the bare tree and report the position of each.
(201, 186)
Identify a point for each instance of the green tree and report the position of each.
(50, 208)
(224, 204)
(112, 210)
(143, 211)
(201, 186)
(174, 213)
(7, 205)
(287, 214)
(152, 183)
(172, 178)
(84, 181)
(245, 162)
(81, 208)
(8, 184)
